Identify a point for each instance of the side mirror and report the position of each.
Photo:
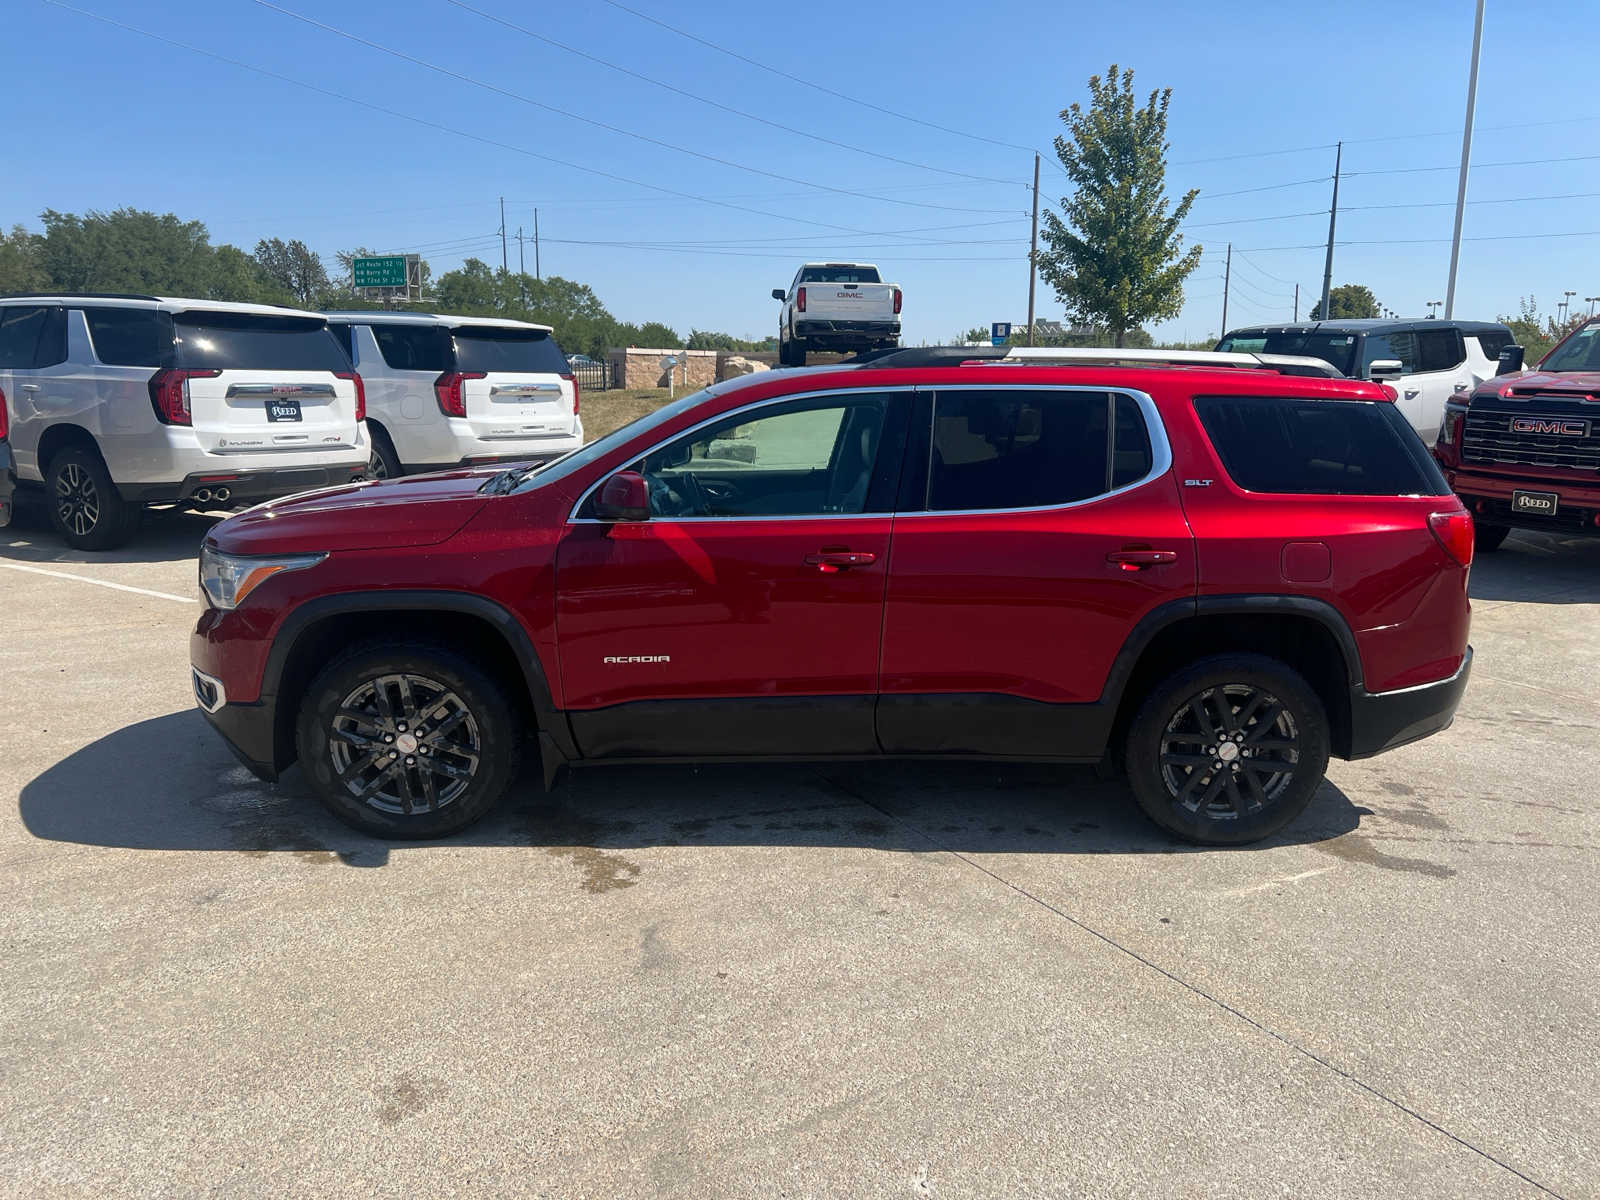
(1509, 361)
(1386, 368)
(624, 497)
(779, 294)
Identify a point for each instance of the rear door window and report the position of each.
(1318, 447)
(492, 349)
(1014, 448)
(21, 330)
(1397, 345)
(1493, 341)
(414, 347)
(131, 337)
(1439, 350)
(252, 341)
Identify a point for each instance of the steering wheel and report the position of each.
(679, 496)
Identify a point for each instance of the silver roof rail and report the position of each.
(1284, 364)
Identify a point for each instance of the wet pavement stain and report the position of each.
(654, 953)
(406, 1097)
(1357, 849)
(563, 835)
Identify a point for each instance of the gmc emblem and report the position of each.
(1551, 425)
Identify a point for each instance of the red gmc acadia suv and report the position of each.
(1216, 575)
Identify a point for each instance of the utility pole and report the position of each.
(1297, 302)
(536, 272)
(1333, 220)
(1033, 248)
(1466, 158)
(522, 263)
(1227, 275)
(505, 258)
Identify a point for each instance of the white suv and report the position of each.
(118, 402)
(448, 391)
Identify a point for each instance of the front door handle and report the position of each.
(1138, 560)
(30, 387)
(831, 562)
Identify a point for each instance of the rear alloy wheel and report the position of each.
(1228, 750)
(408, 740)
(385, 463)
(85, 506)
(1487, 538)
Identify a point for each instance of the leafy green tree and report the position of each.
(20, 270)
(653, 334)
(238, 277)
(126, 251)
(1350, 301)
(1114, 256)
(294, 267)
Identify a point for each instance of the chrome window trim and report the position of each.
(1160, 452)
(574, 519)
(1160, 447)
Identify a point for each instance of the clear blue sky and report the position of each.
(101, 117)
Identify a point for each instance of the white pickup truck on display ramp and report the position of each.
(836, 306)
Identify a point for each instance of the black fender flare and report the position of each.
(1159, 618)
(551, 720)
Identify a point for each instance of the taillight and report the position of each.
(800, 300)
(573, 380)
(452, 403)
(169, 394)
(4, 419)
(361, 392)
(1454, 532)
(897, 298)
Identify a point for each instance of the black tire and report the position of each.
(1487, 538)
(797, 352)
(472, 730)
(385, 463)
(85, 506)
(1172, 750)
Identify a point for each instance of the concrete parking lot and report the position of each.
(787, 980)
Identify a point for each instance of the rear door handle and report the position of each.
(1138, 560)
(30, 387)
(831, 562)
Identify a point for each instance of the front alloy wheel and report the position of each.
(404, 744)
(409, 739)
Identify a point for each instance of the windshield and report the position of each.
(1336, 348)
(561, 467)
(1580, 352)
(840, 274)
(490, 349)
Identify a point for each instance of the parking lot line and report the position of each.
(121, 587)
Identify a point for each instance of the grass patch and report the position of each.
(604, 411)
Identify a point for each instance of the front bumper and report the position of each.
(1488, 498)
(1381, 721)
(248, 729)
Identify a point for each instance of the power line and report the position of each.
(437, 126)
(1392, 137)
(717, 104)
(1520, 162)
(1451, 203)
(1321, 212)
(710, 45)
(1271, 187)
(1256, 266)
(1497, 237)
(606, 125)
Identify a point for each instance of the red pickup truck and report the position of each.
(1523, 450)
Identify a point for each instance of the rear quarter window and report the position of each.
(131, 337)
(249, 341)
(1318, 447)
(491, 349)
(414, 347)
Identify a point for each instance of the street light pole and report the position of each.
(1568, 305)
(1590, 301)
(1333, 219)
(1466, 158)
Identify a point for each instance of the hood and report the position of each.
(1554, 381)
(420, 511)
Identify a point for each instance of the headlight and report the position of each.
(227, 579)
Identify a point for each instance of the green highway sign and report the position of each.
(388, 270)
